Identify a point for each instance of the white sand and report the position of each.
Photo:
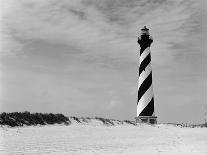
(94, 138)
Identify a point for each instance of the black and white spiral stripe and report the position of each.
(145, 102)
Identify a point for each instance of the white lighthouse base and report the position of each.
(146, 119)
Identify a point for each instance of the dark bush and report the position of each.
(27, 118)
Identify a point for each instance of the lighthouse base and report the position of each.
(146, 119)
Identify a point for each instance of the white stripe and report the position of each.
(145, 99)
(144, 74)
(144, 54)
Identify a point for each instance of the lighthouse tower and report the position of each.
(145, 100)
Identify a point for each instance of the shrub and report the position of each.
(27, 118)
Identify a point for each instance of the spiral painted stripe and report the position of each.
(149, 109)
(144, 86)
(144, 54)
(144, 63)
(144, 74)
(145, 101)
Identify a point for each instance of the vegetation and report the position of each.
(76, 119)
(105, 121)
(130, 122)
(26, 118)
(189, 125)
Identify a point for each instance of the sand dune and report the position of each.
(92, 137)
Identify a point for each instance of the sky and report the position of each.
(80, 57)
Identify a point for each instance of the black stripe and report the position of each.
(145, 86)
(144, 63)
(149, 109)
(142, 49)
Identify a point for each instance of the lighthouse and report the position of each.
(145, 99)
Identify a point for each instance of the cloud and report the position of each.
(100, 27)
(84, 24)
